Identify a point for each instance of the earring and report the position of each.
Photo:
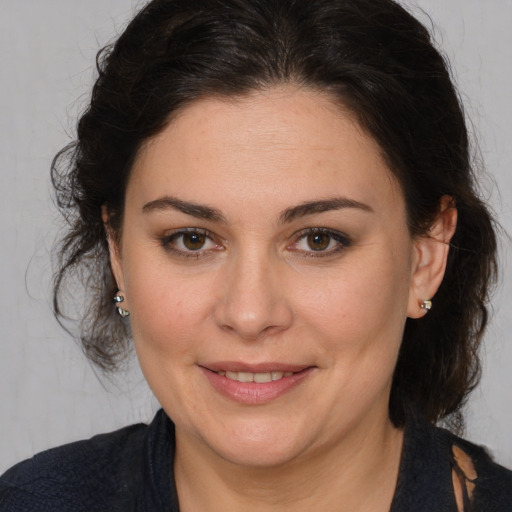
(118, 298)
(426, 305)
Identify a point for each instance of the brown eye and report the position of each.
(191, 243)
(194, 241)
(318, 241)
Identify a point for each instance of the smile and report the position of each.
(263, 384)
(259, 378)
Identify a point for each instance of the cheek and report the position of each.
(364, 292)
(359, 312)
(169, 311)
(169, 325)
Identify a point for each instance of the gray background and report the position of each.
(49, 393)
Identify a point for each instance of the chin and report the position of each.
(257, 444)
(249, 454)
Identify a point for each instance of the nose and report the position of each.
(253, 300)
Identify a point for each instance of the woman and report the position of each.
(278, 199)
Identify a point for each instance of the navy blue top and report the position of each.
(132, 470)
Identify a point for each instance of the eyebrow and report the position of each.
(195, 210)
(209, 213)
(325, 205)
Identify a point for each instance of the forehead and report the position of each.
(269, 145)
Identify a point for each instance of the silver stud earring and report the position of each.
(426, 305)
(123, 312)
(118, 298)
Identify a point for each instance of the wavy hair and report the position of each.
(374, 58)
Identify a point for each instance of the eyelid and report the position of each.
(342, 242)
(166, 242)
(342, 239)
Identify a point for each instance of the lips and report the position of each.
(237, 366)
(259, 377)
(255, 384)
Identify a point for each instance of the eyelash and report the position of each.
(341, 239)
(167, 243)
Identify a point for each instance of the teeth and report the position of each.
(263, 377)
(255, 377)
(246, 376)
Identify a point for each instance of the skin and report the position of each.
(259, 291)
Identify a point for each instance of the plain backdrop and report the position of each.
(49, 393)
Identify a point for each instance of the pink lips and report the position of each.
(253, 393)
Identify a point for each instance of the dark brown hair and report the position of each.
(374, 58)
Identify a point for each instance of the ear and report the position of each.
(114, 249)
(430, 257)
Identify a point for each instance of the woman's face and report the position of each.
(268, 269)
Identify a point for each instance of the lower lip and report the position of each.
(253, 393)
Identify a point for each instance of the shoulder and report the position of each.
(490, 482)
(440, 471)
(91, 474)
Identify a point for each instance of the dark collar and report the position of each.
(425, 476)
(159, 494)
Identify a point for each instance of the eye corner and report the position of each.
(329, 242)
(190, 243)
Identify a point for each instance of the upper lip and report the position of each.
(265, 367)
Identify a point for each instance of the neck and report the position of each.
(357, 474)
